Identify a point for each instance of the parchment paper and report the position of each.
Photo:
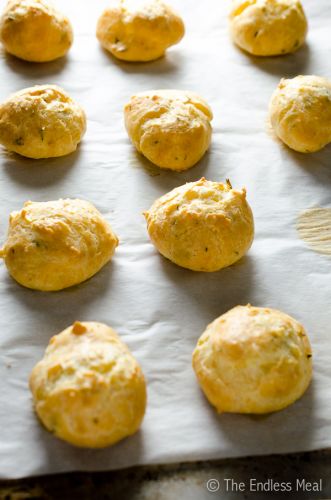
(159, 309)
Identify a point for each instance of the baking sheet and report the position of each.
(159, 309)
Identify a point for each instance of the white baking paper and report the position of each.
(159, 309)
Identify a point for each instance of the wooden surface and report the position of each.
(182, 481)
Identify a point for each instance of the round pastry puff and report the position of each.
(41, 122)
(139, 30)
(171, 128)
(57, 244)
(268, 27)
(202, 226)
(300, 112)
(253, 360)
(88, 389)
(35, 31)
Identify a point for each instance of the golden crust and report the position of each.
(41, 122)
(268, 27)
(169, 127)
(56, 244)
(202, 226)
(140, 32)
(35, 31)
(253, 360)
(300, 112)
(88, 389)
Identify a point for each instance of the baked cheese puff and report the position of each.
(139, 30)
(300, 112)
(203, 225)
(41, 122)
(35, 31)
(88, 389)
(169, 127)
(56, 244)
(253, 360)
(268, 27)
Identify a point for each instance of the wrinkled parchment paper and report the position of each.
(159, 309)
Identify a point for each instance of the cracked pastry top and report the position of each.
(35, 31)
(253, 360)
(88, 389)
(300, 112)
(202, 226)
(171, 128)
(139, 31)
(41, 122)
(268, 27)
(57, 244)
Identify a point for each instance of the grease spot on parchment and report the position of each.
(314, 228)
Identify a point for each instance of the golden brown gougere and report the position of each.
(300, 112)
(88, 389)
(57, 244)
(202, 226)
(253, 360)
(41, 122)
(268, 27)
(139, 31)
(171, 128)
(35, 31)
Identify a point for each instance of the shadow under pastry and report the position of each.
(61, 308)
(317, 165)
(213, 293)
(284, 66)
(38, 173)
(284, 431)
(169, 63)
(35, 70)
(169, 179)
(60, 456)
